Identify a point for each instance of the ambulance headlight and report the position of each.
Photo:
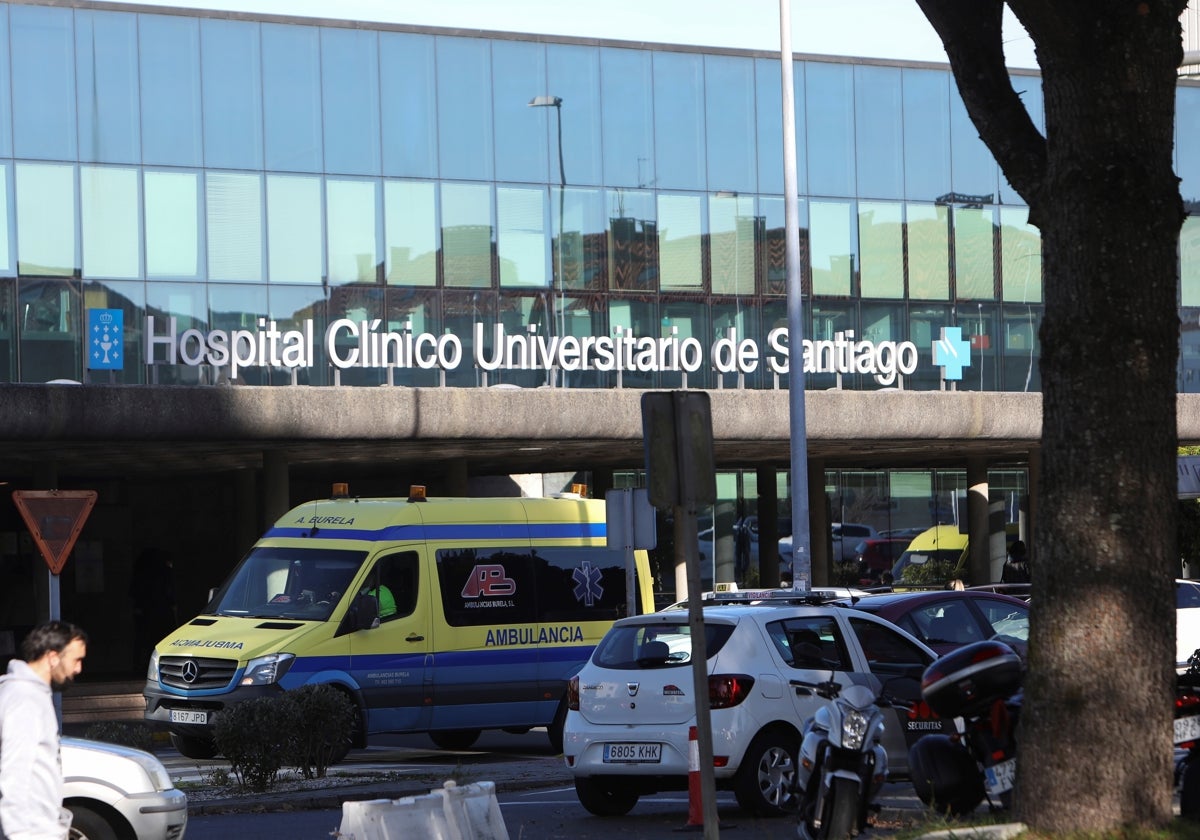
(268, 669)
(152, 671)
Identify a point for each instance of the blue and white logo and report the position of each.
(106, 330)
(952, 353)
(588, 590)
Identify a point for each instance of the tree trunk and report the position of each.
(1095, 739)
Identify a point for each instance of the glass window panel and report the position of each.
(235, 226)
(680, 232)
(925, 325)
(233, 116)
(881, 242)
(5, 100)
(188, 304)
(1187, 127)
(980, 328)
(632, 240)
(46, 219)
(730, 117)
(628, 117)
(639, 317)
(410, 233)
(974, 253)
(110, 208)
(294, 234)
(169, 63)
(130, 297)
(584, 254)
(291, 59)
(518, 76)
(772, 245)
(681, 320)
(679, 120)
(1029, 88)
(515, 313)
(926, 133)
(832, 247)
(406, 63)
(350, 86)
(43, 82)
(1189, 261)
(879, 131)
(928, 229)
(769, 122)
(521, 236)
(573, 73)
(357, 303)
(239, 308)
(417, 308)
(107, 71)
(289, 307)
(467, 235)
(51, 331)
(351, 216)
(829, 319)
(6, 220)
(464, 78)
(974, 169)
(732, 226)
(1021, 351)
(829, 91)
(1021, 256)
(172, 224)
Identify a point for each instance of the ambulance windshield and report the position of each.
(297, 583)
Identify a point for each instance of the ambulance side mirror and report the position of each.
(362, 615)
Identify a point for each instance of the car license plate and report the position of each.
(188, 716)
(632, 753)
(1187, 729)
(1000, 777)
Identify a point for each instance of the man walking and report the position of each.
(30, 770)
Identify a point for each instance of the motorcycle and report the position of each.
(842, 762)
(1187, 738)
(981, 684)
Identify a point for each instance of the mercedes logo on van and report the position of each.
(632, 688)
(190, 671)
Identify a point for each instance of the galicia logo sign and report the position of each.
(952, 353)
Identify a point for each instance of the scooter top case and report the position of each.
(967, 681)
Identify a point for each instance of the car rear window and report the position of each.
(636, 646)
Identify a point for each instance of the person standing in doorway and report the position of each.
(1016, 567)
(30, 769)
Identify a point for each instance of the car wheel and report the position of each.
(455, 739)
(766, 782)
(86, 824)
(555, 730)
(190, 746)
(605, 797)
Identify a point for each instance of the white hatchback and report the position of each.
(630, 707)
(118, 792)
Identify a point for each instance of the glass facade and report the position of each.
(222, 171)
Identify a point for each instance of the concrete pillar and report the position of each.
(768, 527)
(818, 523)
(978, 528)
(276, 490)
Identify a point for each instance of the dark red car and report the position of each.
(877, 555)
(948, 619)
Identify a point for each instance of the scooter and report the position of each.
(981, 684)
(842, 762)
(1187, 738)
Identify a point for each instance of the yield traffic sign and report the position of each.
(55, 518)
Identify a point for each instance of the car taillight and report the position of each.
(727, 690)
(573, 694)
(920, 710)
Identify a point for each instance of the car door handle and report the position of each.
(414, 637)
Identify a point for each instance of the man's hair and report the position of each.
(51, 636)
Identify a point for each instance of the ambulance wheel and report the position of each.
(192, 747)
(455, 739)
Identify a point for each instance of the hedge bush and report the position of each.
(134, 735)
(325, 719)
(256, 737)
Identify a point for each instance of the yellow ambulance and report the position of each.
(439, 615)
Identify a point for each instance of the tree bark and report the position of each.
(1095, 738)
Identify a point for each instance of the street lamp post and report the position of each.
(556, 102)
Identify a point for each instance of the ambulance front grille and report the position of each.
(196, 672)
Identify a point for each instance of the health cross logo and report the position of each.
(952, 353)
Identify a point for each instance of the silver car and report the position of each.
(118, 792)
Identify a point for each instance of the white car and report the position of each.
(630, 706)
(119, 793)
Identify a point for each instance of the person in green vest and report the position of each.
(385, 599)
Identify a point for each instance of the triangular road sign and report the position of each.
(55, 518)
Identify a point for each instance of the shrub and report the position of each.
(846, 574)
(325, 719)
(931, 573)
(134, 735)
(256, 736)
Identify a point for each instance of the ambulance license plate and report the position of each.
(189, 716)
(632, 753)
